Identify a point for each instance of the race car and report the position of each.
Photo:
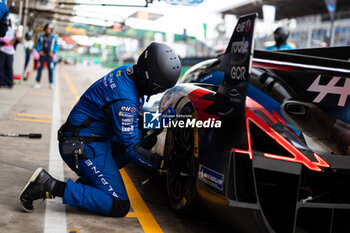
(272, 161)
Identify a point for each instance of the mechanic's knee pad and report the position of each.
(119, 208)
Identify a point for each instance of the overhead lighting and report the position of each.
(145, 15)
(100, 4)
(184, 2)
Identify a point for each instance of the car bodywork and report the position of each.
(266, 169)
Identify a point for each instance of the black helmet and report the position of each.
(281, 35)
(48, 25)
(159, 67)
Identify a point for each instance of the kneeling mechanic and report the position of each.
(106, 113)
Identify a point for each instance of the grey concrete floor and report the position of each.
(24, 109)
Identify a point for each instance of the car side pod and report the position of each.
(314, 122)
(272, 182)
(255, 172)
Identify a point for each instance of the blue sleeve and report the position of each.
(270, 48)
(4, 11)
(55, 47)
(124, 119)
(38, 44)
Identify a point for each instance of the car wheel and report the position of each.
(182, 174)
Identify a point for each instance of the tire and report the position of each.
(181, 177)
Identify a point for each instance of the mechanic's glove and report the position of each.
(149, 138)
(162, 162)
(150, 132)
(148, 141)
(156, 131)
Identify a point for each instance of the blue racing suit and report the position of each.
(4, 11)
(46, 44)
(283, 47)
(106, 111)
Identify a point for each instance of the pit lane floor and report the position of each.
(24, 109)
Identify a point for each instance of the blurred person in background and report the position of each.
(4, 11)
(281, 35)
(7, 50)
(47, 47)
(28, 46)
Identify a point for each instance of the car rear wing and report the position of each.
(287, 60)
(237, 61)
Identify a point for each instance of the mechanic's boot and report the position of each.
(39, 186)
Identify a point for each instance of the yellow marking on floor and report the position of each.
(71, 85)
(32, 120)
(144, 215)
(131, 215)
(74, 230)
(33, 115)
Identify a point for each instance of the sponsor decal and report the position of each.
(105, 81)
(244, 26)
(128, 129)
(331, 88)
(238, 72)
(211, 177)
(127, 120)
(109, 81)
(129, 70)
(240, 46)
(126, 114)
(101, 178)
(128, 109)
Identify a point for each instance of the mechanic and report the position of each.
(28, 46)
(4, 12)
(281, 35)
(47, 47)
(107, 111)
(7, 52)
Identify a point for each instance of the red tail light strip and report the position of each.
(252, 104)
(320, 161)
(299, 157)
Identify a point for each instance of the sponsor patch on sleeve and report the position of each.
(127, 120)
(128, 109)
(119, 73)
(128, 129)
(126, 114)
